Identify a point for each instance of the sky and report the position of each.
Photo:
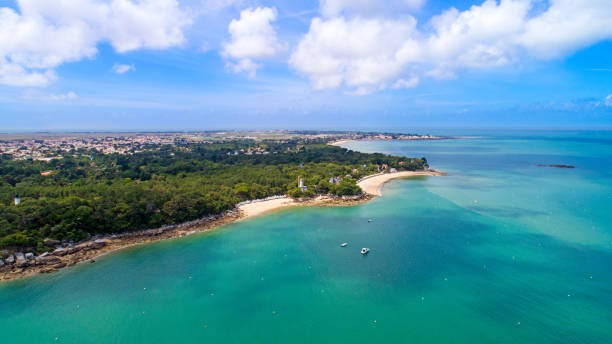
(168, 65)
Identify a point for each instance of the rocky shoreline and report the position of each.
(60, 255)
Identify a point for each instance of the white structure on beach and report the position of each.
(301, 184)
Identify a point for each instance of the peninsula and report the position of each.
(85, 202)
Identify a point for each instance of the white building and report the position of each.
(301, 184)
(17, 199)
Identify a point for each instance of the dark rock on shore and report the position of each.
(20, 260)
(60, 252)
(47, 260)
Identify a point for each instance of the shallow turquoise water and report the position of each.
(500, 251)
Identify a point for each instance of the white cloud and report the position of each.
(331, 8)
(252, 37)
(46, 34)
(216, 5)
(355, 53)
(568, 25)
(608, 100)
(441, 74)
(244, 65)
(406, 83)
(12, 74)
(347, 47)
(122, 68)
(482, 36)
(68, 96)
(49, 97)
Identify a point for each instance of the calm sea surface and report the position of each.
(500, 251)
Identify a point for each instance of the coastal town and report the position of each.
(51, 147)
(48, 146)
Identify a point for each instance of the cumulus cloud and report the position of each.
(122, 68)
(346, 47)
(483, 36)
(252, 38)
(359, 53)
(12, 74)
(45, 34)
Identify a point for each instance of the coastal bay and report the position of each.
(494, 252)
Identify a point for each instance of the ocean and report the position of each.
(499, 251)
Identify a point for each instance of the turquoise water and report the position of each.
(500, 251)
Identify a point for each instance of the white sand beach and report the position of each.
(257, 208)
(372, 185)
(339, 142)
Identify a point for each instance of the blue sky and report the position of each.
(334, 64)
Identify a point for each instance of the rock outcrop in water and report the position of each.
(557, 166)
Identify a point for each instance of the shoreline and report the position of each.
(96, 247)
(372, 184)
(340, 142)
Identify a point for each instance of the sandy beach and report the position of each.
(339, 142)
(260, 207)
(257, 208)
(372, 185)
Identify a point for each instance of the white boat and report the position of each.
(344, 244)
(365, 251)
(370, 220)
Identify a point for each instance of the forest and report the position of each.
(85, 193)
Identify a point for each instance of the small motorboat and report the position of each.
(370, 220)
(344, 244)
(365, 251)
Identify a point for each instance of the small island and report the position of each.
(557, 166)
(89, 195)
